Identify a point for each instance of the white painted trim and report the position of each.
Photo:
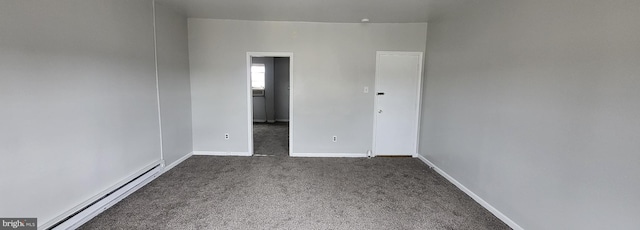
(155, 56)
(290, 120)
(329, 155)
(118, 195)
(177, 162)
(106, 202)
(418, 101)
(250, 95)
(475, 197)
(271, 121)
(259, 120)
(249, 110)
(375, 107)
(419, 105)
(282, 120)
(219, 153)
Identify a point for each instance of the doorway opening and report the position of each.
(270, 100)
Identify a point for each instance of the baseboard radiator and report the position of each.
(85, 214)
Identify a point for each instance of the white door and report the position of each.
(397, 93)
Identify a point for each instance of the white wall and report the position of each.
(331, 65)
(79, 101)
(533, 105)
(281, 88)
(174, 85)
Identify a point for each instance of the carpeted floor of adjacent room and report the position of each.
(271, 139)
(207, 192)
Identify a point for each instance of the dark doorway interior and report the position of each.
(270, 80)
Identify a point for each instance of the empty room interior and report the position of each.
(333, 114)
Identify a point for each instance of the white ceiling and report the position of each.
(378, 11)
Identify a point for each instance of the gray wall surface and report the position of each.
(174, 85)
(79, 101)
(533, 105)
(262, 112)
(332, 63)
(281, 87)
(259, 114)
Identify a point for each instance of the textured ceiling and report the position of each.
(378, 11)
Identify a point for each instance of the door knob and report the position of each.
(379, 110)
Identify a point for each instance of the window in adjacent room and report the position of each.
(257, 76)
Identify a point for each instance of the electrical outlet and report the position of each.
(335, 138)
(226, 136)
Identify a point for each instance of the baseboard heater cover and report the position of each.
(94, 209)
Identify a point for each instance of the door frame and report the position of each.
(250, 95)
(418, 101)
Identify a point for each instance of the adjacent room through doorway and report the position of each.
(270, 87)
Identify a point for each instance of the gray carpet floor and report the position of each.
(206, 192)
(271, 139)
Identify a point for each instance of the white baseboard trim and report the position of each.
(475, 197)
(177, 162)
(101, 205)
(219, 153)
(271, 121)
(92, 210)
(328, 155)
(259, 121)
(282, 120)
